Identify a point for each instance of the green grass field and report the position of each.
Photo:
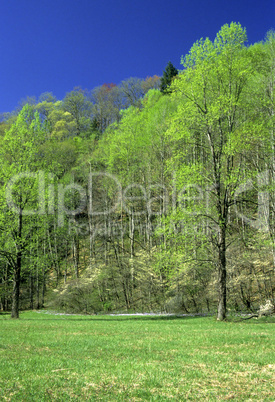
(47, 357)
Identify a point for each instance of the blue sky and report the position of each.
(56, 45)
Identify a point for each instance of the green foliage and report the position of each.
(217, 128)
(77, 105)
(178, 189)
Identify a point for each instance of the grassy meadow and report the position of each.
(47, 357)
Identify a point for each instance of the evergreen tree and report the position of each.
(168, 74)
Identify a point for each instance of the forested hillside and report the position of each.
(156, 194)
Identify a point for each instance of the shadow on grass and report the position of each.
(48, 316)
(140, 318)
(254, 320)
(106, 317)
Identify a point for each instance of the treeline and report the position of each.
(155, 194)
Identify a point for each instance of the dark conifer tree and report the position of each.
(168, 74)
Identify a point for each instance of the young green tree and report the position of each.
(21, 193)
(211, 138)
(79, 106)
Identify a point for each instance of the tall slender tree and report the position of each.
(21, 192)
(210, 127)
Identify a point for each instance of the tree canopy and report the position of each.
(151, 194)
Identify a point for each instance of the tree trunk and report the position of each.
(132, 233)
(31, 291)
(16, 292)
(37, 289)
(75, 247)
(17, 270)
(44, 270)
(222, 277)
(5, 300)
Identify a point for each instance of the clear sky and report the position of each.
(56, 45)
